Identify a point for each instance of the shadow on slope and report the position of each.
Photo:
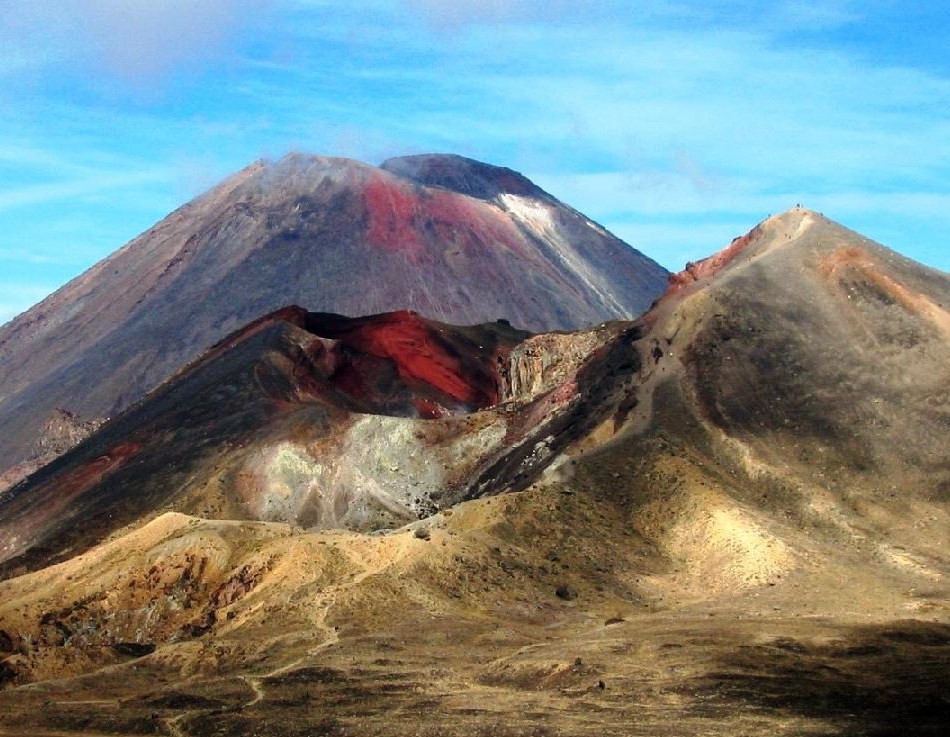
(884, 680)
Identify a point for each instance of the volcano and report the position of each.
(730, 514)
(452, 239)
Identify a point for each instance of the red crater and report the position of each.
(397, 363)
(426, 356)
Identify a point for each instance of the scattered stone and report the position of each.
(7, 673)
(134, 649)
(423, 533)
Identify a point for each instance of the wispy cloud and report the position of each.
(140, 46)
(23, 256)
(74, 188)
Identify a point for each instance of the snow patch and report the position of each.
(538, 217)
(529, 211)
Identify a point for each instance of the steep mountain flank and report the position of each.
(822, 353)
(334, 235)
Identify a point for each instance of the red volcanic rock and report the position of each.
(712, 265)
(392, 211)
(393, 362)
(423, 353)
(447, 237)
(402, 218)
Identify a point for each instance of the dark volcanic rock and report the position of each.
(332, 234)
(821, 341)
(464, 176)
(134, 649)
(62, 431)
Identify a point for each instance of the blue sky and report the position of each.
(678, 125)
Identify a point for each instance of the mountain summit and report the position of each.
(450, 238)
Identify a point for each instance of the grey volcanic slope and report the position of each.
(479, 244)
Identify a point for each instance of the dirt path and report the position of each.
(370, 565)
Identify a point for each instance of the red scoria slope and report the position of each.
(425, 357)
(374, 358)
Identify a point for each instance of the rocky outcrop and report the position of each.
(63, 430)
(544, 362)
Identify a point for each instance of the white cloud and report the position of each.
(137, 41)
(23, 256)
(143, 41)
(90, 186)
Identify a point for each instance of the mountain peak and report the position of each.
(463, 175)
(761, 460)
(788, 228)
(330, 234)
